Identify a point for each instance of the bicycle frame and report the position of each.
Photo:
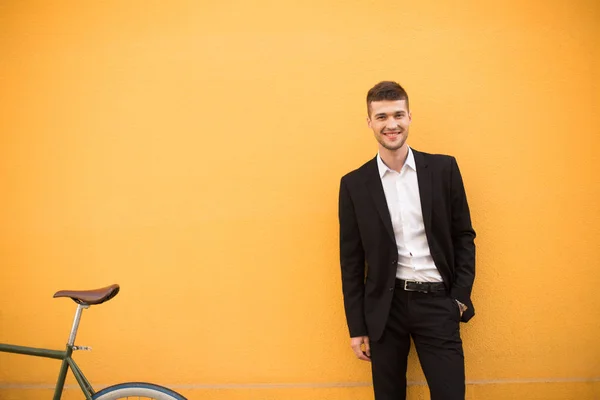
(65, 356)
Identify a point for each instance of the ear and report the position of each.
(409, 116)
(369, 122)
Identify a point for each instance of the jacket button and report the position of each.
(394, 262)
(392, 289)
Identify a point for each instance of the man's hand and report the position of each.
(357, 344)
(462, 307)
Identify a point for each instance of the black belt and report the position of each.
(423, 287)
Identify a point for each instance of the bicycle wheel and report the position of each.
(137, 390)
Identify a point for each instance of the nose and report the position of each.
(391, 124)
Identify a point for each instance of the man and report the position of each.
(407, 255)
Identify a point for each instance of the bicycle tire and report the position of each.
(137, 390)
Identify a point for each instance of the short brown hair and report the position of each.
(386, 90)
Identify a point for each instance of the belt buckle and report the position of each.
(413, 290)
(406, 286)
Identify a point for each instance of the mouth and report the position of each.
(392, 134)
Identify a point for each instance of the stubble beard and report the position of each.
(396, 146)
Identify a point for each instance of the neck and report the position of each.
(394, 159)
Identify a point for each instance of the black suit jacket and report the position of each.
(368, 251)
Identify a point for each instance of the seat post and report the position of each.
(80, 308)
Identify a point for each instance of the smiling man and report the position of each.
(407, 255)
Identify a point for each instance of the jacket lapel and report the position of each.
(373, 182)
(425, 187)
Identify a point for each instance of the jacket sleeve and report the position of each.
(463, 240)
(352, 260)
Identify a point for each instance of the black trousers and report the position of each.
(432, 320)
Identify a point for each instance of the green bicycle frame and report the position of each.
(65, 356)
(67, 362)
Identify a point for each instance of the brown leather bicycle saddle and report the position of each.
(90, 297)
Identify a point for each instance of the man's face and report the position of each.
(390, 120)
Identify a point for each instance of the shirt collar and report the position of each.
(410, 161)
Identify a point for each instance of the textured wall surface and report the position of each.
(191, 152)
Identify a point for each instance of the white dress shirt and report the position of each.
(404, 203)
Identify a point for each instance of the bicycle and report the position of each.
(85, 299)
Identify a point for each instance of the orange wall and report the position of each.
(191, 152)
